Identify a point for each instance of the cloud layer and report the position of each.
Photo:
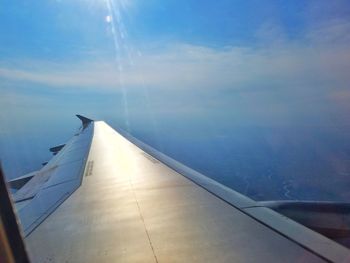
(321, 57)
(274, 81)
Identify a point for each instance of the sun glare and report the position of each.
(108, 19)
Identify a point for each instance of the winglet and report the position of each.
(84, 120)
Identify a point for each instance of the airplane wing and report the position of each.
(107, 197)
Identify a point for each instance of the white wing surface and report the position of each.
(107, 197)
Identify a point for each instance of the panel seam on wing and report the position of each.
(143, 220)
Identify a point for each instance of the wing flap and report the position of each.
(19, 182)
(56, 181)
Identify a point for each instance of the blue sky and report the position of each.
(253, 60)
(177, 68)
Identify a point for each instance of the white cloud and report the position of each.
(189, 66)
(270, 82)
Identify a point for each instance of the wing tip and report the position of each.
(84, 119)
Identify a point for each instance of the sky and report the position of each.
(175, 68)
